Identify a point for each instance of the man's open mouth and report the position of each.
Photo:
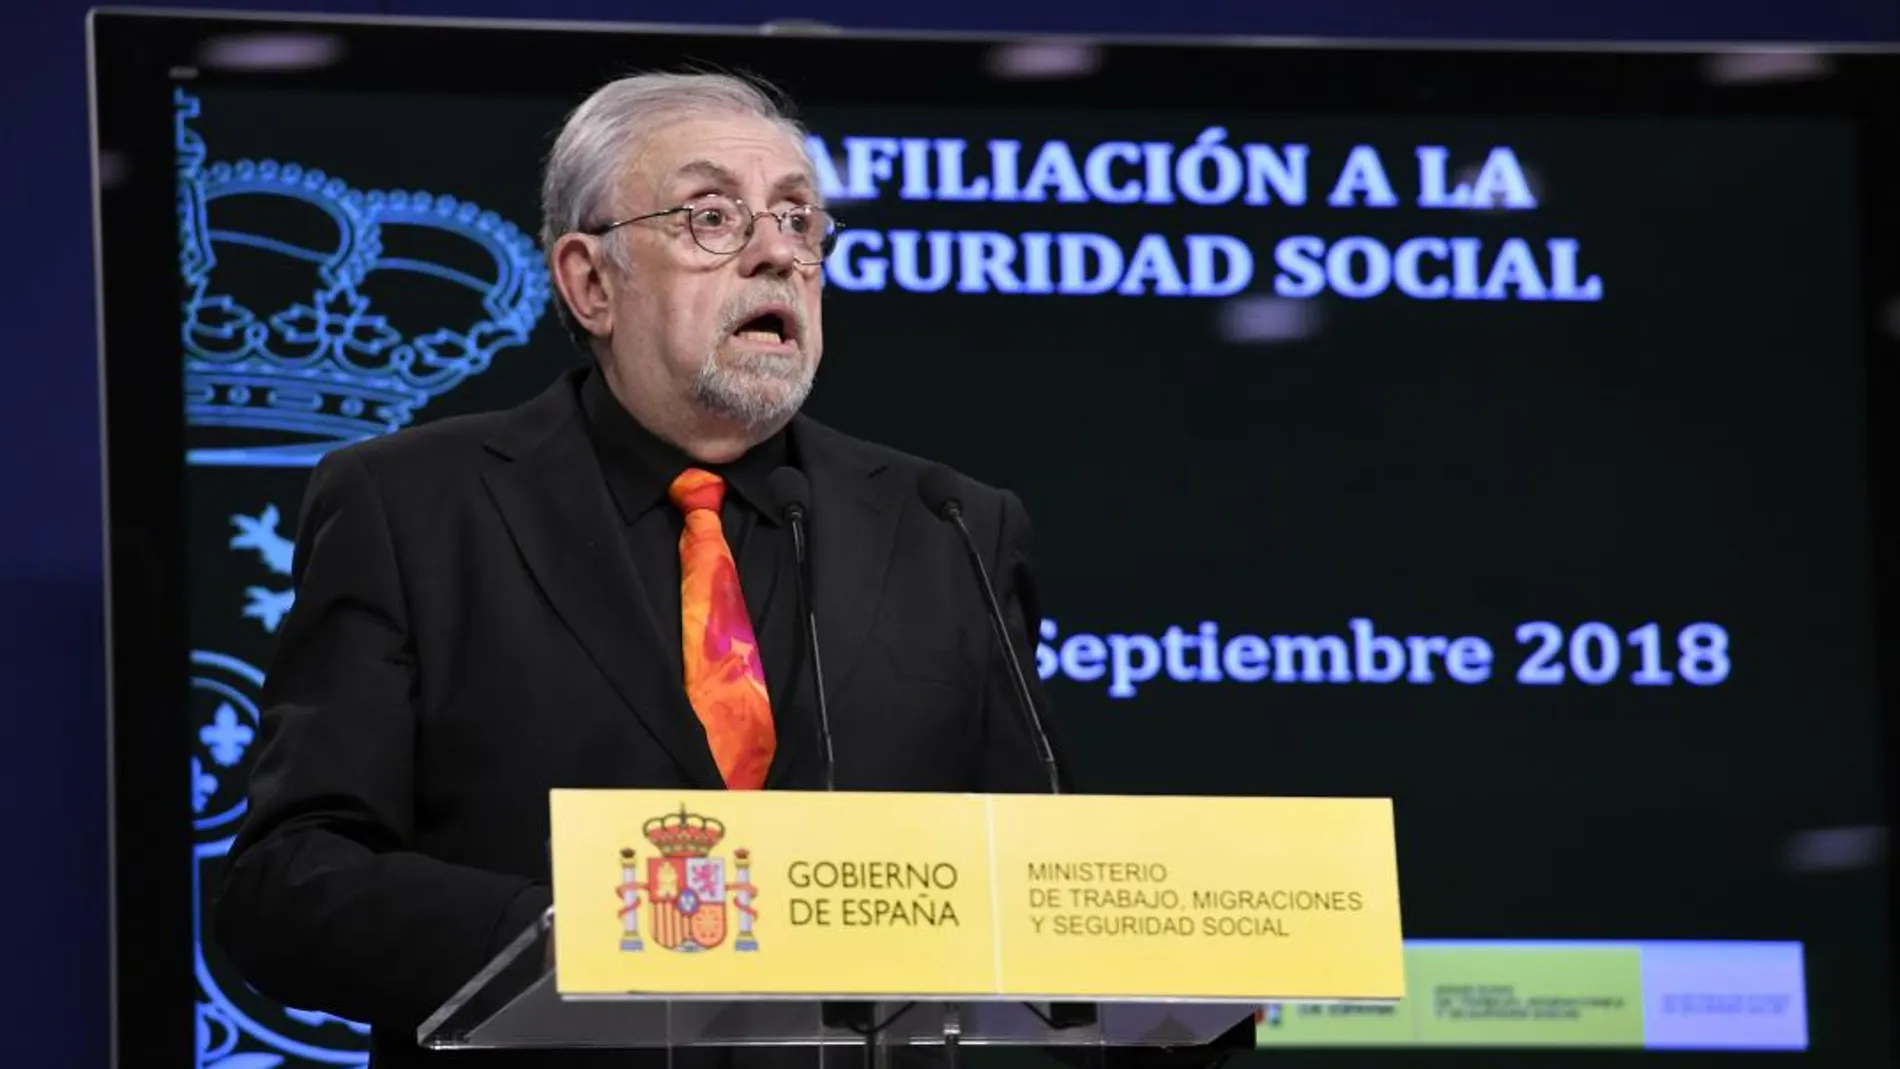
(773, 326)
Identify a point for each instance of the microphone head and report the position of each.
(791, 493)
(938, 487)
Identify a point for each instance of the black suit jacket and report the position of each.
(469, 633)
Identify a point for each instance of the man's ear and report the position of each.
(577, 264)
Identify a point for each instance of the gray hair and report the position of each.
(606, 130)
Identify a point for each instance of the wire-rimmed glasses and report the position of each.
(724, 225)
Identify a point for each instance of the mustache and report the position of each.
(748, 304)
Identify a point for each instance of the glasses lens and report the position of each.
(718, 224)
(814, 228)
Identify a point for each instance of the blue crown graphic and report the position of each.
(284, 357)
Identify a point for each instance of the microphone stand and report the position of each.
(802, 579)
(857, 1017)
(1025, 702)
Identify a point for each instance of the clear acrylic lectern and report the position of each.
(513, 1004)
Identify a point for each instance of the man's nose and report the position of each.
(772, 248)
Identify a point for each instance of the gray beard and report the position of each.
(757, 393)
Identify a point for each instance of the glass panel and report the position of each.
(513, 1003)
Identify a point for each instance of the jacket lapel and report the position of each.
(553, 499)
(855, 510)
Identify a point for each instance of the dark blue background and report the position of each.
(52, 775)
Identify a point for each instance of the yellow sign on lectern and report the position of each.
(748, 893)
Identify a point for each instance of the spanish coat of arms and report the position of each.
(685, 889)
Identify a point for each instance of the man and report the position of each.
(491, 607)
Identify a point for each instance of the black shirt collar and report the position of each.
(640, 465)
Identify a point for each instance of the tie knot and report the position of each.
(696, 489)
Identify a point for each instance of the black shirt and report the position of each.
(639, 467)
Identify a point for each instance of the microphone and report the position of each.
(793, 494)
(938, 488)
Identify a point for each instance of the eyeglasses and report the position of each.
(723, 225)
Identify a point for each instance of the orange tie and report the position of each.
(724, 678)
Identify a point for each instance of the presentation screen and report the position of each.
(1511, 463)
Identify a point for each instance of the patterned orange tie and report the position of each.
(725, 679)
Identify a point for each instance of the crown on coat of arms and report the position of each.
(317, 314)
(684, 834)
